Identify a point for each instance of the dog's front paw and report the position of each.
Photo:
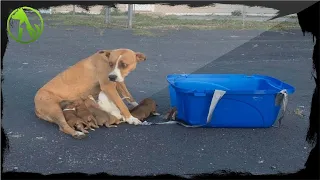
(133, 120)
(79, 135)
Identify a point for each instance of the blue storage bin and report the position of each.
(249, 100)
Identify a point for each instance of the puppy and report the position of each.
(102, 117)
(69, 112)
(85, 114)
(171, 114)
(145, 108)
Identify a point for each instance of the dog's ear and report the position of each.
(105, 53)
(140, 57)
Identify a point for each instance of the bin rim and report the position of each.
(271, 81)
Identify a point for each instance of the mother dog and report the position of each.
(103, 71)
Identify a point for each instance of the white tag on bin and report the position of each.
(214, 101)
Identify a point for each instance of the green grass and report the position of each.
(168, 22)
(144, 32)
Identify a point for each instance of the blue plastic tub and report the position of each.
(249, 100)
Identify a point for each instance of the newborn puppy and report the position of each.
(145, 108)
(69, 112)
(85, 114)
(171, 114)
(102, 117)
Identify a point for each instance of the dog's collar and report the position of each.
(73, 109)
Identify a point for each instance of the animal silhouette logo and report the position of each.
(34, 31)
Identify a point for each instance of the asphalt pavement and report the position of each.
(38, 146)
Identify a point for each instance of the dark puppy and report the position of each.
(145, 108)
(102, 117)
(70, 114)
(85, 114)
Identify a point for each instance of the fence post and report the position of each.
(130, 14)
(108, 15)
(243, 16)
(74, 10)
(133, 10)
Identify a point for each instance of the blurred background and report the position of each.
(155, 16)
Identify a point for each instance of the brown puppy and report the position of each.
(84, 113)
(145, 108)
(103, 71)
(171, 114)
(69, 112)
(102, 117)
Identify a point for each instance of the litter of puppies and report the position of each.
(84, 114)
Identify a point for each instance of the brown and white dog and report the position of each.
(103, 71)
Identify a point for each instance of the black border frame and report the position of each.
(309, 22)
